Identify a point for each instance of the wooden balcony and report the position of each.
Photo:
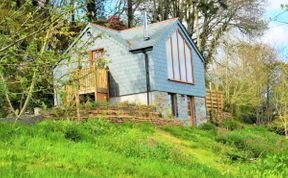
(88, 81)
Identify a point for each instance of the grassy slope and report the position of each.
(102, 149)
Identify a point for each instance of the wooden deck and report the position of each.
(88, 81)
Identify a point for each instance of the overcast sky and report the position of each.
(277, 34)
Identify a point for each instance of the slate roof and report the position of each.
(133, 37)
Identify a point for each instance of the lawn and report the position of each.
(97, 148)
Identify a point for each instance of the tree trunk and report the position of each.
(28, 96)
(91, 10)
(7, 96)
(130, 13)
(72, 4)
(197, 28)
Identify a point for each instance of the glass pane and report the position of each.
(182, 57)
(169, 59)
(189, 63)
(175, 57)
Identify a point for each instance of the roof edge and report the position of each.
(87, 27)
(183, 28)
(155, 23)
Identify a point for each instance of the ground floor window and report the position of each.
(173, 104)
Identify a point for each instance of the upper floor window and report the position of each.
(179, 59)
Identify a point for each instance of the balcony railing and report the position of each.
(89, 80)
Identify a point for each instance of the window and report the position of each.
(179, 59)
(173, 104)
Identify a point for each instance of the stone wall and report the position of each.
(163, 106)
(161, 101)
(200, 111)
(182, 107)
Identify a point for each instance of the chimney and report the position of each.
(145, 22)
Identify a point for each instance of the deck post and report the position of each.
(95, 71)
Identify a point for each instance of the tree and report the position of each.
(29, 36)
(95, 9)
(280, 95)
(243, 75)
(213, 19)
(130, 7)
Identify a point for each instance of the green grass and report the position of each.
(101, 149)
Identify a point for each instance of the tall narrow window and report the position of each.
(189, 64)
(179, 59)
(176, 65)
(182, 57)
(173, 103)
(169, 59)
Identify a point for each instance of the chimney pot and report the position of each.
(145, 22)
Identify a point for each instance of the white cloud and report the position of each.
(276, 34)
(275, 4)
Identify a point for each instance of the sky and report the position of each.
(277, 33)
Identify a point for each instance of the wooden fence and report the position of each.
(214, 100)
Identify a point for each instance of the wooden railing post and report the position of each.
(211, 100)
(96, 80)
(217, 98)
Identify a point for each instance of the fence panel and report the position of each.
(214, 100)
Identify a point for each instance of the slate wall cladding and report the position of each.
(127, 70)
(160, 73)
(200, 110)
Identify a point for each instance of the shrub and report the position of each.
(73, 133)
(235, 155)
(277, 127)
(274, 165)
(208, 127)
(231, 125)
(256, 141)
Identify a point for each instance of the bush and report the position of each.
(274, 165)
(208, 127)
(277, 127)
(256, 141)
(231, 125)
(73, 133)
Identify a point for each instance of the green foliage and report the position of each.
(73, 133)
(255, 141)
(277, 127)
(231, 124)
(95, 148)
(208, 127)
(273, 166)
(98, 148)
